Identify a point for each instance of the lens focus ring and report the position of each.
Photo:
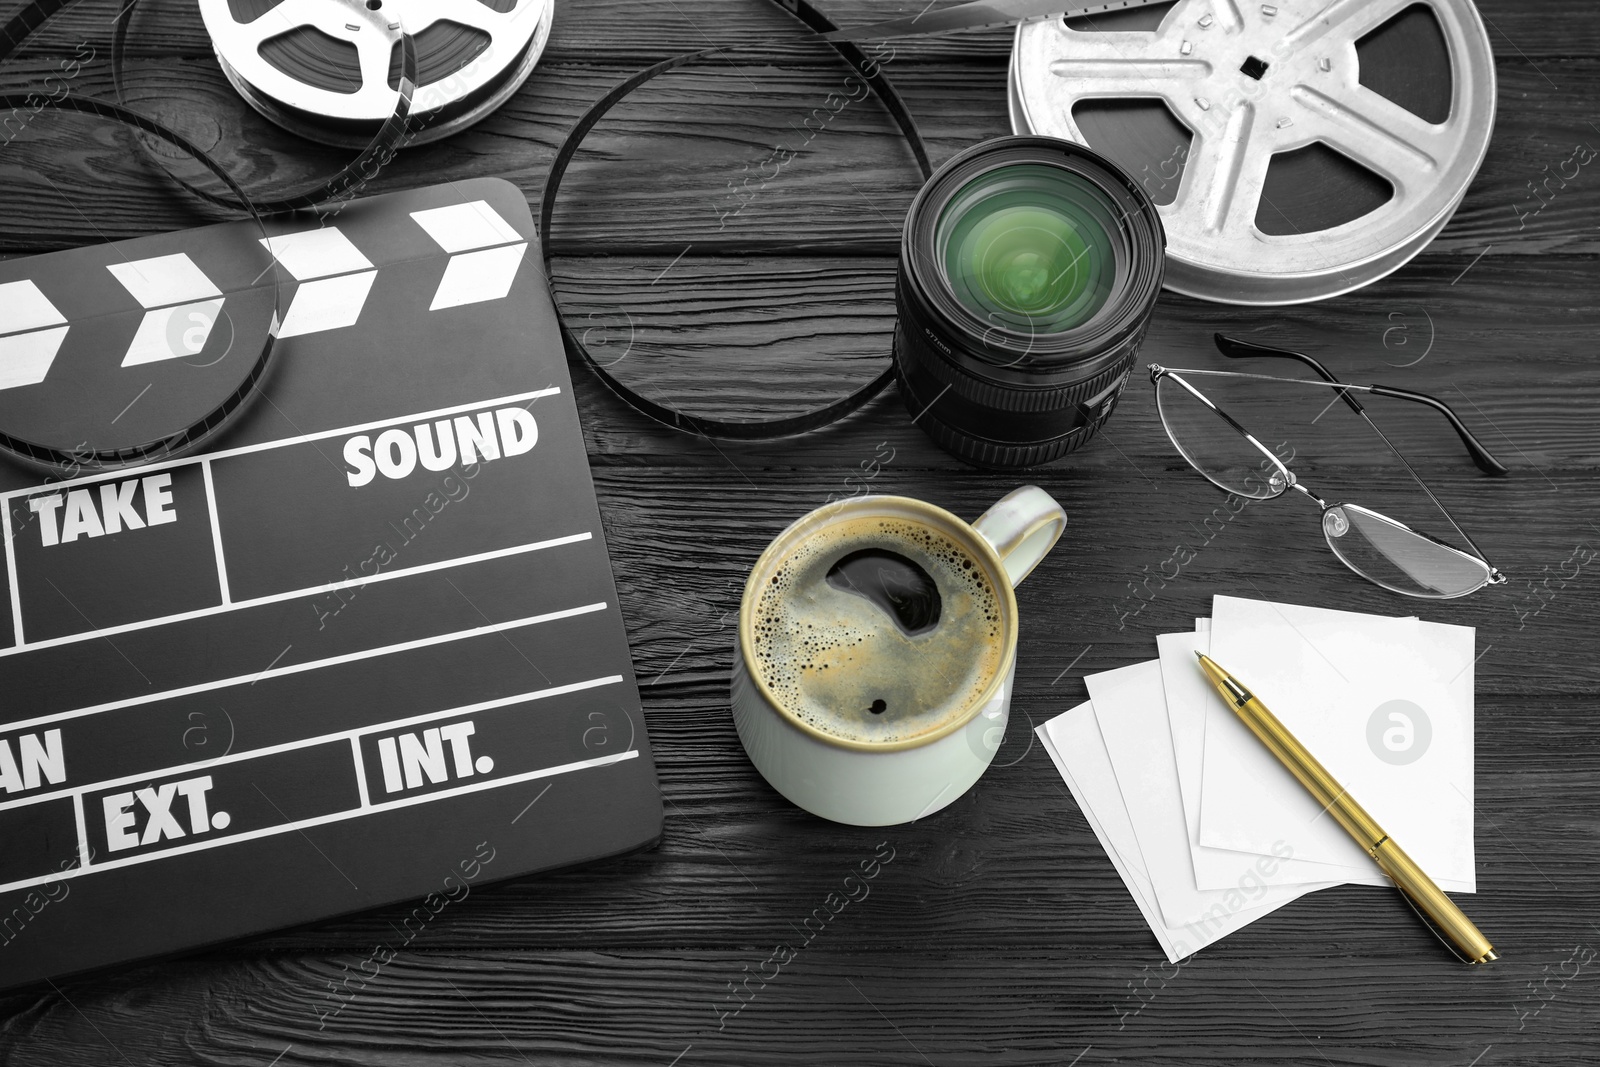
(1003, 455)
(923, 356)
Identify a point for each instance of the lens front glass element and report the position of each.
(1028, 246)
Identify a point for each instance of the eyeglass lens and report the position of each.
(1213, 446)
(1384, 551)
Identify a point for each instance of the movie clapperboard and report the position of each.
(365, 637)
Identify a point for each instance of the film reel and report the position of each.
(1297, 150)
(329, 70)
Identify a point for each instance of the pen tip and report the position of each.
(1200, 655)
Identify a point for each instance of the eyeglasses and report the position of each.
(1378, 548)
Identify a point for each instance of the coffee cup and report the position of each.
(877, 646)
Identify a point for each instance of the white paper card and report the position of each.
(1074, 743)
(1103, 810)
(1189, 696)
(1384, 704)
(1130, 706)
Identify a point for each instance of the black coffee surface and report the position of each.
(903, 590)
(878, 629)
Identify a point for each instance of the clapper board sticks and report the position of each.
(320, 664)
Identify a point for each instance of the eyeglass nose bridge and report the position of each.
(1281, 479)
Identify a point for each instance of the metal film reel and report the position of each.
(1290, 117)
(328, 70)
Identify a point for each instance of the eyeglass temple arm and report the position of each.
(1234, 348)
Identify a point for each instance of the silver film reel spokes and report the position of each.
(328, 70)
(1296, 81)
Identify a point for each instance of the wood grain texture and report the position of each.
(999, 933)
(1514, 365)
(641, 33)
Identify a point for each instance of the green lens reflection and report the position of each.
(1028, 246)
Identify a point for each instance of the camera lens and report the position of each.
(1028, 271)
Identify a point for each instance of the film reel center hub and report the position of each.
(1296, 150)
(329, 70)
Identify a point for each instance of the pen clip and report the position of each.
(1432, 927)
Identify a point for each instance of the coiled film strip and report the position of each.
(66, 423)
(745, 430)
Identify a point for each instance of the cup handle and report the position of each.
(1023, 526)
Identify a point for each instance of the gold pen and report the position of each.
(1411, 879)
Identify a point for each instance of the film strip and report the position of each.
(740, 430)
(64, 424)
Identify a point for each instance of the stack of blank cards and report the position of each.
(1208, 830)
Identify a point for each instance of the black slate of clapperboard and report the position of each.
(240, 696)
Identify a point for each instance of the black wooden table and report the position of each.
(997, 931)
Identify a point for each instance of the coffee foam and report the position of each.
(827, 654)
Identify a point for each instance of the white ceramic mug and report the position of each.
(884, 783)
